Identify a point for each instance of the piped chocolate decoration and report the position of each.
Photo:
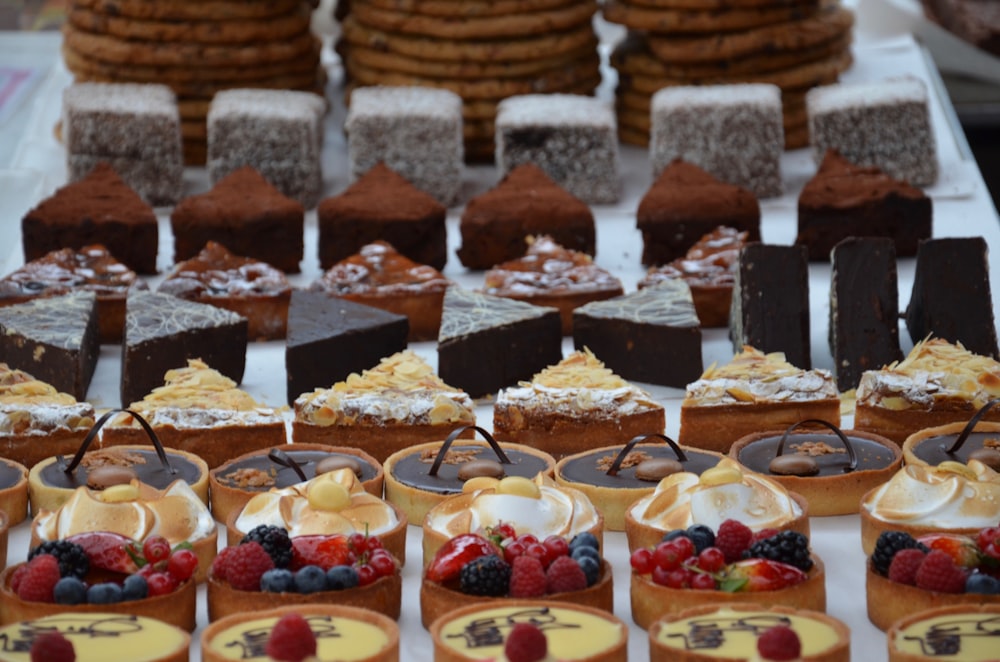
(661, 466)
(92, 434)
(481, 469)
(804, 465)
(454, 435)
(335, 462)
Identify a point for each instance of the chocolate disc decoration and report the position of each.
(92, 434)
(653, 470)
(483, 467)
(803, 465)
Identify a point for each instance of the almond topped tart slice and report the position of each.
(201, 411)
(394, 405)
(575, 405)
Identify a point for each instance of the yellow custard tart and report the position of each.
(961, 632)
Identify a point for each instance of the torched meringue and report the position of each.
(333, 502)
(950, 495)
(537, 506)
(720, 493)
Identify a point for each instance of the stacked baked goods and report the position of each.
(482, 51)
(795, 45)
(194, 48)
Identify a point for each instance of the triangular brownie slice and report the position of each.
(55, 339)
(489, 342)
(526, 202)
(98, 209)
(382, 205)
(846, 200)
(162, 332)
(686, 203)
(329, 338)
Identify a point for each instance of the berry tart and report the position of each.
(723, 492)
(958, 632)
(615, 477)
(422, 476)
(535, 506)
(523, 630)
(333, 502)
(304, 632)
(948, 498)
(957, 442)
(697, 566)
(831, 469)
(499, 565)
(235, 482)
(99, 571)
(738, 631)
(908, 574)
(13, 491)
(270, 569)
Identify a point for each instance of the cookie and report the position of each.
(712, 4)
(295, 81)
(468, 8)
(669, 21)
(191, 10)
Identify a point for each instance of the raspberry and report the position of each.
(15, 579)
(52, 646)
(486, 575)
(789, 547)
(779, 643)
(73, 559)
(275, 542)
(888, 543)
(903, 569)
(247, 565)
(220, 564)
(563, 575)
(938, 572)
(291, 640)
(525, 643)
(39, 583)
(527, 578)
(733, 538)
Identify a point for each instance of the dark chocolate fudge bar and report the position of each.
(329, 338)
(489, 342)
(951, 296)
(771, 302)
(54, 339)
(975, 21)
(864, 308)
(651, 335)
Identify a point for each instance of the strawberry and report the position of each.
(322, 550)
(107, 551)
(760, 575)
(962, 550)
(455, 553)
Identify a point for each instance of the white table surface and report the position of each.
(32, 166)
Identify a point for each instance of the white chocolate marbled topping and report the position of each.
(753, 377)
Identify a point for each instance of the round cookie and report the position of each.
(667, 21)
(192, 10)
(307, 81)
(715, 4)
(467, 8)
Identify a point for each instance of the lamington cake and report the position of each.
(395, 404)
(247, 215)
(91, 268)
(526, 202)
(684, 204)
(755, 391)
(246, 286)
(99, 208)
(378, 275)
(550, 275)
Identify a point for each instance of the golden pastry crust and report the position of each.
(214, 445)
(717, 428)
(14, 499)
(380, 442)
(4, 535)
(896, 630)
(872, 528)
(30, 449)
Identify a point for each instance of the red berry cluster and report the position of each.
(949, 563)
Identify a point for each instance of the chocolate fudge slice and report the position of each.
(526, 202)
(162, 332)
(770, 309)
(864, 308)
(845, 200)
(489, 342)
(975, 21)
(684, 204)
(651, 335)
(247, 215)
(98, 209)
(329, 338)
(951, 296)
(382, 205)
(54, 339)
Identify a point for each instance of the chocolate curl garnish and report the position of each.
(92, 434)
(623, 453)
(852, 456)
(970, 426)
(283, 459)
(446, 444)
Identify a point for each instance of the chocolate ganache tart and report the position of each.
(420, 477)
(831, 469)
(957, 442)
(13, 491)
(614, 477)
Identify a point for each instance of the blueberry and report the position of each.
(310, 579)
(702, 536)
(979, 582)
(278, 580)
(135, 587)
(340, 577)
(585, 539)
(591, 568)
(70, 591)
(588, 552)
(104, 594)
(675, 533)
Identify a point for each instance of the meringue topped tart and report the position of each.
(957, 632)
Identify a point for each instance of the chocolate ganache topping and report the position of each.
(285, 467)
(968, 444)
(635, 466)
(10, 474)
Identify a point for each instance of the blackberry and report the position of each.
(487, 575)
(890, 542)
(789, 547)
(73, 559)
(275, 542)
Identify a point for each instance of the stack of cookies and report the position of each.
(196, 48)
(794, 44)
(483, 50)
